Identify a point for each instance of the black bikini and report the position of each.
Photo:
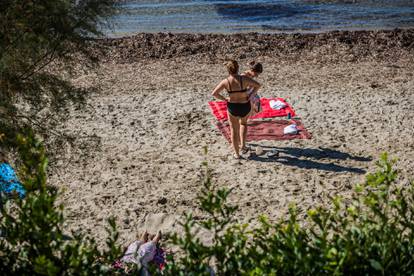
(238, 109)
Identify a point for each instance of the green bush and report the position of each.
(33, 241)
(372, 233)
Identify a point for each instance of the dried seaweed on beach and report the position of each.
(340, 45)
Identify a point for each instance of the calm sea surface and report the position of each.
(260, 16)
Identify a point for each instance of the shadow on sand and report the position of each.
(291, 157)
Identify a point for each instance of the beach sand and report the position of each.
(140, 152)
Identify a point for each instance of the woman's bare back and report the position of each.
(237, 88)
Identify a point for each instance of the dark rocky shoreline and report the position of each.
(335, 45)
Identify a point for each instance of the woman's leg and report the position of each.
(235, 133)
(157, 237)
(144, 236)
(243, 131)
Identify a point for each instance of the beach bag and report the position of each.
(9, 184)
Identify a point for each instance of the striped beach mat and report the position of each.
(219, 109)
(267, 130)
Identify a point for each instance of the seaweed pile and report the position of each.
(336, 45)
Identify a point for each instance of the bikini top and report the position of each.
(241, 86)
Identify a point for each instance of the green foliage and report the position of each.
(41, 42)
(371, 234)
(33, 36)
(33, 240)
(226, 248)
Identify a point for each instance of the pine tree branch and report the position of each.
(33, 67)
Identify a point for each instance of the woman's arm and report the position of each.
(217, 90)
(251, 82)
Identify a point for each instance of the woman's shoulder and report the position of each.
(246, 77)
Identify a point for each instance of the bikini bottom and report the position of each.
(239, 109)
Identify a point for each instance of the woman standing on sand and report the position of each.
(238, 104)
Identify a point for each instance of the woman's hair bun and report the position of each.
(232, 66)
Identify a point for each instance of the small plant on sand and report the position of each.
(371, 234)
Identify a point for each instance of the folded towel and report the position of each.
(291, 129)
(277, 105)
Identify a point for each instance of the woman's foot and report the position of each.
(144, 236)
(157, 237)
(236, 156)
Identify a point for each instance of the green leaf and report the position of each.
(375, 264)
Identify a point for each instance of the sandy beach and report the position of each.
(146, 128)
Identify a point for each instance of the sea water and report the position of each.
(259, 16)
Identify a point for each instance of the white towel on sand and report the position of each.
(291, 129)
(277, 105)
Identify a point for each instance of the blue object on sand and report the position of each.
(9, 183)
